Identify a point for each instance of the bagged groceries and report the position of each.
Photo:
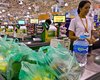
(17, 56)
(56, 62)
(11, 55)
(35, 72)
(62, 62)
(19, 62)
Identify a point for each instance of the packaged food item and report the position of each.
(1, 57)
(35, 72)
(61, 61)
(3, 66)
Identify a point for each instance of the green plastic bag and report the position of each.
(62, 61)
(15, 64)
(34, 72)
(14, 53)
(4, 47)
(8, 46)
(18, 53)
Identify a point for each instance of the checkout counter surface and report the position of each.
(36, 44)
(92, 70)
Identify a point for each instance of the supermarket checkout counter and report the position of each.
(30, 42)
(94, 77)
(35, 45)
(92, 69)
(90, 75)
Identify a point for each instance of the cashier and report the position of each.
(82, 25)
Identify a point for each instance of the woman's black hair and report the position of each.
(48, 21)
(81, 4)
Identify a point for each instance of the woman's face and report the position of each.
(85, 9)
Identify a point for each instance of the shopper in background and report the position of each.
(47, 23)
(82, 25)
(63, 30)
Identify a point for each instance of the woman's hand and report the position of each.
(91, 40)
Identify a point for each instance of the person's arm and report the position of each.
(93, 31)
(92, 38)
(94, 35)
(72, 35)
(72, 30)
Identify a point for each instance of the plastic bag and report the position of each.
(14, 53)
(62, 61)
(15, 63)
(34, 72)
(18, 52)
(4, 47)
(8, 46)
(3, 64)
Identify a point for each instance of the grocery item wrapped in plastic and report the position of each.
(35, 72)
(62, 61)
(12, 53)
(18, 55)
(48, 63)
(3, 64)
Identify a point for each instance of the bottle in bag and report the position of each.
(80, 49)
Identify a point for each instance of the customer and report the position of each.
(47, 23)
(63, 30)
(81, 24)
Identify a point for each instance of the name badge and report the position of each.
(86, 34)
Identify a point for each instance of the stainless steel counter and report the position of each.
(92, 70)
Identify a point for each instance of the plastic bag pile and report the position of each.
(19, 62)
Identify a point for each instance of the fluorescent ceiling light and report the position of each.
(3, 10)
(20, 2)
(28, 12)
(28, 16)
(66, 4)
(0, 12)
(5, 4)
(29, 7)
(8, 14)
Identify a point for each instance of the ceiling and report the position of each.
(20, 8)
(14, 8)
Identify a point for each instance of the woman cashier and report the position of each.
(82, 25)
